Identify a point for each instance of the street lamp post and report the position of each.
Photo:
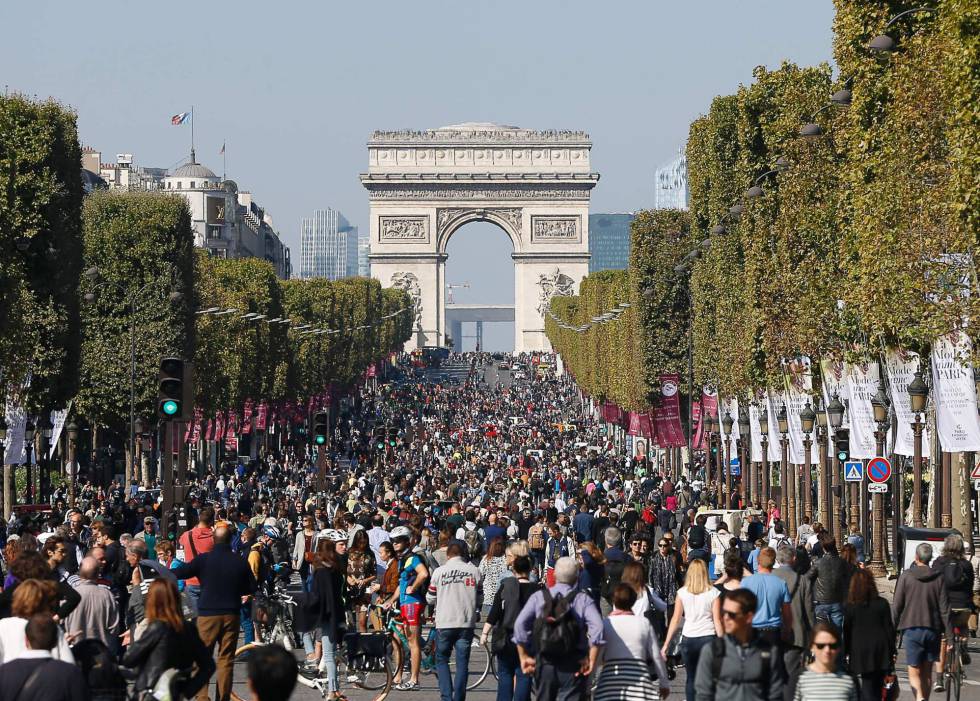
(807, 418)
(6, 475)
(728, 422)
(43, 463)
(879, 404)
(787, 499)
(918, 394)
(764, 430)
(823, 473)
(835, 413)
(745, 444)
(29, 431)
(72, 431)
(141, 428)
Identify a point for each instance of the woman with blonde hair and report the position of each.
(693, 604)
(31, 596)
(168, 642)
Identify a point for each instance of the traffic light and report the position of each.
(173, 529)
(170, 390)
(392, 436)
(841, 444)
(379, 437)
(320, 428)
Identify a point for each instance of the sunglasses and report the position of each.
(824, 646)
(664, 545)
(730, 614)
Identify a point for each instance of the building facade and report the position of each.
(609, 241)
(670, 185)
(363, 253)
(329, 246)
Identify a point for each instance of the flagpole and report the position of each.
(193, 159)
(224, 161)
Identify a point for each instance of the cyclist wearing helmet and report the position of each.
(412, 577)
(259, 556)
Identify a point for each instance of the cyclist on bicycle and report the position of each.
(412, 582)
(957, 574)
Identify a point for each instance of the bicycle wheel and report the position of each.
(379, 673)
(479, 665)
(954, 677)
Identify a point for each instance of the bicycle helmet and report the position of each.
(400, 532)
(333, 534)
(271, 531)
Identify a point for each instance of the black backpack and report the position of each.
(557, 630)
(614, 575)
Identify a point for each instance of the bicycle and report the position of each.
(956, 656)
(394, 626)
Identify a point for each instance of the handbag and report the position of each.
(890, 688)
(500, 640)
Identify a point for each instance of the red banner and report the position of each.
(611, 413)
(231, 431)
(247, 417)
(193, 434)
(262, 416)
(219, 426)
(708, 406)
(667, 414)
(634, 424)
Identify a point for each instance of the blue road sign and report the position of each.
(854, 471)
(735, 467)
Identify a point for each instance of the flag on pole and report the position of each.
(222, 151)
(180, 118)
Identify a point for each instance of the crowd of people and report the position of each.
(493, 510)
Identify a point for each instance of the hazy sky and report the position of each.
(295, 88)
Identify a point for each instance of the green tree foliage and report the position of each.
(142, 246)
(235, 358)
(40, 208)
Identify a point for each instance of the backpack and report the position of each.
(513, 599)
(535, 537)
(614, 575)
(474, 542)
(718, 657)
(557, 630)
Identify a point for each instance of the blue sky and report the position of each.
(295, 88)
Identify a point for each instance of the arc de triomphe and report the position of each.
(535, 185)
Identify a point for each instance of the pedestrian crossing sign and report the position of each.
(853, 471)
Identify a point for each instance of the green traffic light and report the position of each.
(170, 407)
(841, 455)
(320, 440)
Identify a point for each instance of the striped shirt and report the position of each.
(825, 686)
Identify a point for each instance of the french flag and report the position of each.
(180, 118)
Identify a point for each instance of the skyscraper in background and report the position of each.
(670, 185)
(329, 246)
(609, 241)
(363, 251)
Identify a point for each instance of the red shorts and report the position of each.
(412, 614)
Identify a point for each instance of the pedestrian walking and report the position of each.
(830, 576)
(327, 600)
(693, 605)
(773, 614)
(801, 606)
(631, 653)
(225, 581)
(97, 615)
(37, 676)
(823, 680)
(195, 542)
(869, 635)
(921, 613)
(742, 664)
(558, 635)
(455, 590)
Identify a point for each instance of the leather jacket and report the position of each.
(831, 577)
(160, 648)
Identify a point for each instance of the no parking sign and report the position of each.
(879, 470)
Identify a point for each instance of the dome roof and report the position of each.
(193, 170)
(479, 126)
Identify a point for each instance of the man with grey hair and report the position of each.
(97, 615)
(921, 612)
(565, 678)
(616, 560)
(801, 604)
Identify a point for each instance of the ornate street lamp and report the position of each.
(918, 394)
(835, 411)
(787, 502)
(71, 430)
(766, 477)
(879, 405)
(883, 43)
(807, 418)
(750, 483)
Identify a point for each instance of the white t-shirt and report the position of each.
(698, 621)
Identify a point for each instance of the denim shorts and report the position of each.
(921, 646)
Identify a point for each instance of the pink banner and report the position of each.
(646, 425)
(262, 416)
(232, 428)
(611, 413)
(634, 424)
(219, 426)
(708, 406)
(667, 414)
(247, 417)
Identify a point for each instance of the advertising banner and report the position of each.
(667, 414)
(774, 401)
(708, 406)
(755, 454)
(955, 394)
(862, 383)
(900, 367)
(262, 416)
(247, 417)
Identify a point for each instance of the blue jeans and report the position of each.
(691, 653)
(830, 612)
(248, 625)
(194, 592)
(329, 663)
(508, 672)
(447, 639)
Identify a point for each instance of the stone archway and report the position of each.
(535, 185)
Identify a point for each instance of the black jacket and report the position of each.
(869, 636)
(56, 681)
(831, 577)
(225, 579)
(958, 578)
(161, 648)
(327, 600)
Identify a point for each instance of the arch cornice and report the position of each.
(450, 219)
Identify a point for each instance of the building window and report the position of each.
(179, 184)
(192, 184)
